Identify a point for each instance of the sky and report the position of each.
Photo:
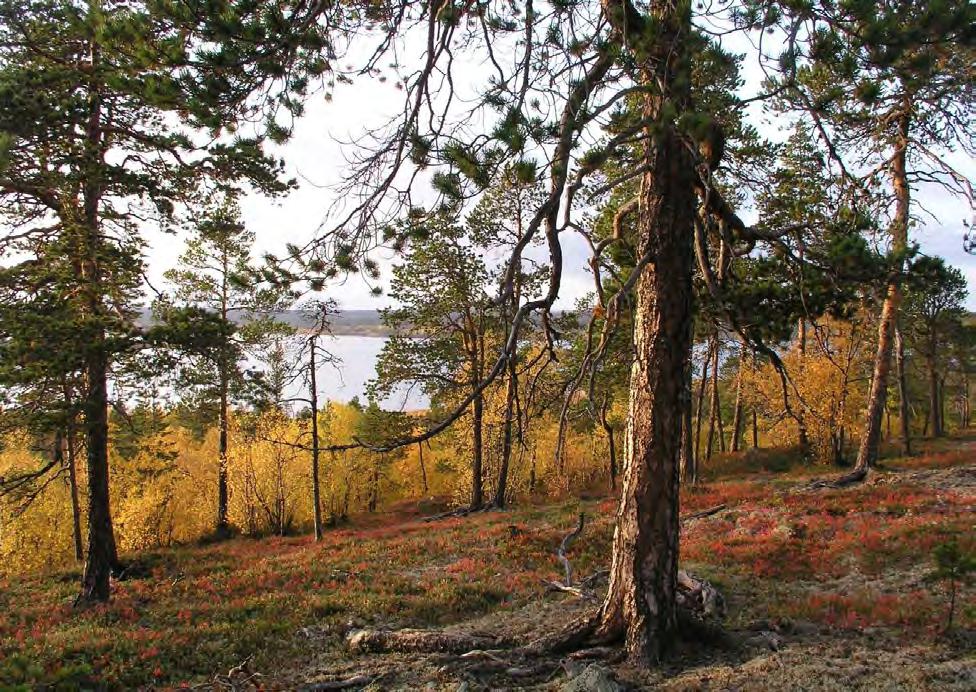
(317, 156)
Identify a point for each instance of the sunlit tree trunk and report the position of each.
(867, 454)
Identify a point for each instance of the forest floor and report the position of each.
(830, 588)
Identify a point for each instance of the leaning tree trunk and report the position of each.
(867, 454)
(641, 600)
(904, 412)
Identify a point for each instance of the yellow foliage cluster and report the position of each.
(165, 493)
(825, 388)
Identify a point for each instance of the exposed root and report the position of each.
(573, 637)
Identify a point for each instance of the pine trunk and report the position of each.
(867, 454)
(102, 555)
(715, 413)
(641, 600)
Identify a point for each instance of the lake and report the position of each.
(357, 365)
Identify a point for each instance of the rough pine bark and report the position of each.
(102, 555)
(641, 600)
(223, 523)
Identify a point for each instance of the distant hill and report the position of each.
(345, 323)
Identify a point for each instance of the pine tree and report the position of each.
(215, 318)
(932, 310)
(440, 328)
(888, 87)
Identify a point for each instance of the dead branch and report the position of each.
(238, 678)
(699, 597)
(564, 546)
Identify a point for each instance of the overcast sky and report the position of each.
(316, 156)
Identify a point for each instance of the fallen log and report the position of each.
(326, 685)
(704, 513)
(366, 641)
